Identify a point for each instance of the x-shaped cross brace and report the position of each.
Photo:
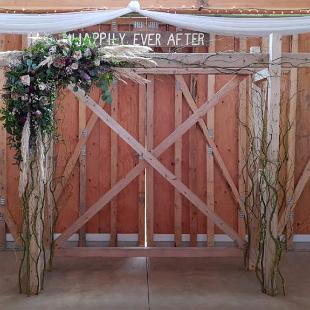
(150, 157)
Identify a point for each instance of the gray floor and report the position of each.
(182, 283)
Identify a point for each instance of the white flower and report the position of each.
(97, 62)
(52, 50)
(74, 66)
(25, 79)
(87, 52)
(42, 86)
(25, 97)
(15, 62)
(77, 55)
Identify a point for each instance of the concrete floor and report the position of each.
(182, 284)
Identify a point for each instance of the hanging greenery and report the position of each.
(34, 79)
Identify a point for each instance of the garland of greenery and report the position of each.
(32, 83)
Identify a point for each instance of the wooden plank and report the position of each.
(150, 252)
(305, 177)
(114, 160)
(149, 170)
(166, 143)
(178, 166)
(210, 141)
(209, 150)
(76, 153)
(192, 168)
(291, 136)
(142, 134)
(221, 63)
(82, 163)
(273, 134)
(242, 145)
(191, 70)
(151, 159)
(49, 211)
(169, 5)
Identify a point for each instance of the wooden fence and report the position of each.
(208, 158)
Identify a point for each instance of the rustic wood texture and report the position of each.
(209, 151)
(82, 165)
(142, 134)
(178, 165)
(99, 149)
(150, 252)
(151, 4)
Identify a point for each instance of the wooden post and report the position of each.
(142, 132)
(49, 209)
(82, 161)
(291, 147)
(209, 151)
(192, 168)
(242, 144)
(273, 136)
(254, 122)
(114, 156)
(178, 166)
(149, 170)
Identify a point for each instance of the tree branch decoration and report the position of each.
(33, 79)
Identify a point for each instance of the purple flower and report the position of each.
(23, 120)
(85, 76)
(37, 113)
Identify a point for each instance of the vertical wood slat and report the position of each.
(192, 168)
(291, 144)
(142, 133)
(114, 157)
(242, 144)
(178, 166)
(149, 169)
(3, 171)
(209, 154)
(82, 176)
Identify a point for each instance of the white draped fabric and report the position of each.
(235, 26)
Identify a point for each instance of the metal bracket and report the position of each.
(211, 133)
(83, 151)
(290, 201)
(210, 150)
(114, 25)
(241, 214)
(291, 215)
(2, 201)
(153, 25)
(138, 25)
(84, 133)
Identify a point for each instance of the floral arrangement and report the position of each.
(33, 80)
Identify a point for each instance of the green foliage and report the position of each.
(34, 80)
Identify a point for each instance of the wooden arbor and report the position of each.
(185, 64)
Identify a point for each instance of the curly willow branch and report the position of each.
(265, 196)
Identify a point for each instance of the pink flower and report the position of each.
(59, 62)
(25, 79)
